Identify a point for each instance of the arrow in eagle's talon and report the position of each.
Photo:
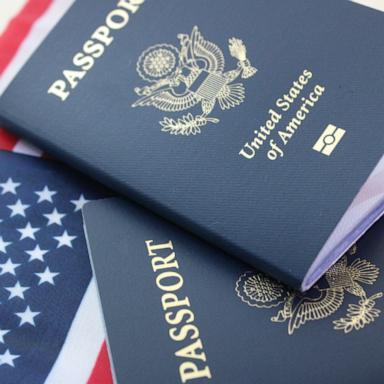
(247, 69)
(238, 50)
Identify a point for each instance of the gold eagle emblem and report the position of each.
(194, 74)
(320, 302)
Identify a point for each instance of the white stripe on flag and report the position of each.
(82, 345)
(9, 9)
(36, 36)
(26, 148)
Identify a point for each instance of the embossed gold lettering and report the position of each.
(190, 371)
(284, 103)
(249, 149)
(93, 48)
(170, 300)
(178, 312)
(169, 281)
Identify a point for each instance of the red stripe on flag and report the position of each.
(10, 41)
(7, 141)
(18, 29)
(101, 373)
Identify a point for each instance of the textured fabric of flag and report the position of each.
(44, 265)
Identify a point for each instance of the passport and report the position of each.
(177, 310)
(252, 124)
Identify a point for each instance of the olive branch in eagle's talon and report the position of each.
(186, 125)
(359, 315)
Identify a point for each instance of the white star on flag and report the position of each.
(3, 245)
(9, 187)
(18, 208)
(7, 358)
(28, 232)
(55, 217)
(79, 204)
(65, 240)
(45, 195)
(3, 332)
(27, 317)
(8, 267)
(37, 253)
(47, 276)
(16, 291)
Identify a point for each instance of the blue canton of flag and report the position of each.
(44, 265)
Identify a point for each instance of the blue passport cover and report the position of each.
(180, 311)
(252, 124)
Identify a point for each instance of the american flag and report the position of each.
(44, 265)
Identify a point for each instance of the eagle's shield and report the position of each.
(208, 85)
